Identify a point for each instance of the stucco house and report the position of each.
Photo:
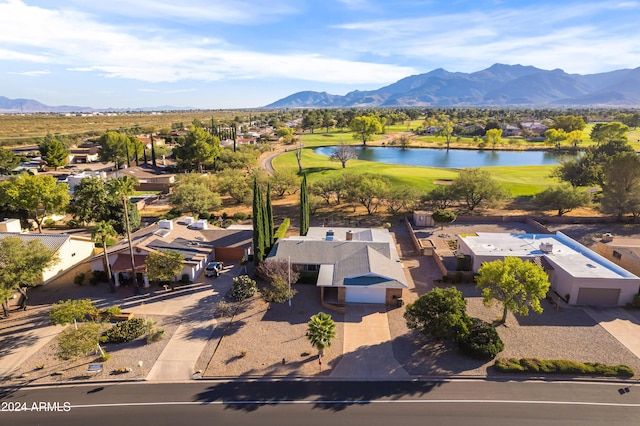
(70, 249)
(624, 252)
(191, 238)
(577, 274)
(352, 265)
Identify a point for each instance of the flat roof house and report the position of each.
(576, 273)
(358, 265)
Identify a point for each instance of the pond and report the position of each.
(453, 158)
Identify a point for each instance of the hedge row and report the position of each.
(561, 366)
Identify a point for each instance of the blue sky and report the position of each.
(248, 53)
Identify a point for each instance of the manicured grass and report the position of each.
(519, 181)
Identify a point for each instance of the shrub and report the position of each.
(239, 216)
(636, 301)
(98, 277)
(242, 288)
(74, 224)
(282, 229)
(104, 357)
(185, 279)
(204, 215)
(155, 334)
(49, 223)
(223, 308)
(73, 343)
(111, 311)
(125, 331)
(561, 366)
(482, 341)
(79, 278)
(64, 312)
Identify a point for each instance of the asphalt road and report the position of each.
(459, 402)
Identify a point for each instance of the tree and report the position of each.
(191, 193)
(327, 119)
(482, 341)
(233, 183)
(621, 191)
(284, 181)
(562, 198)
(364, 127)
(272, 269)
(113, 147)
(21, 266)
(569, 123)
(443, 216)
(441, 197)
(555, 137)
(90, 200)
(304, 206)
(574, 138)
(74, 343)
(102, 231)
(494, 137)
(343, 153)
(198, 150)
(606, 132)
(259, 242)
(298, 152)
(475, 186)
(38, 195)
(400, 199)
(440, 313)
(443, 122)
(310, 120)
(68, 311)
(8, 160)
(368, 190)
(518, 284)
(321, 331)
(164, 265)
(53, 152)
(268, 219)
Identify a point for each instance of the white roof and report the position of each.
(567, 254)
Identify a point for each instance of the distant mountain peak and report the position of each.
(498, 85)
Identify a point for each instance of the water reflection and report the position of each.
(453, 158)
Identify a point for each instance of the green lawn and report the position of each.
(519, 181)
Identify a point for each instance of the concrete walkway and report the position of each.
(367, 346)
(620, 324)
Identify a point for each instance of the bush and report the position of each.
(125, 331)
(185, 279)
(204, 215)
(74, 224)
(49, 223)
(282, 229)
(242, 288)
(239, 216)
(98, 277)
(271, 269)
(482, 341)
(79, 278)
(111, 311)
(155, 334)
(64, 312)
(561, 366)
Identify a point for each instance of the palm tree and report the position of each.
(321, 331)
(102, 231)
(123, 187)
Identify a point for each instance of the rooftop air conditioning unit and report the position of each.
(165, 224)
(188, 220)
(546, 247)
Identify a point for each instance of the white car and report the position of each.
(213, 269)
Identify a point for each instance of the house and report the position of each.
(88, 154)
(70, 249)
(352, 265)
(191, 238)
(576, 273)
(150, 178)
(624, 252)
(508, 131)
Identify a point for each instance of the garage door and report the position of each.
(599, 296)
(365, 295)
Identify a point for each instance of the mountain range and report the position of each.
(498, 85)
(30, 106)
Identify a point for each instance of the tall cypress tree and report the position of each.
(304, 206)
(258, 225)
(153, 151)
(269, 218)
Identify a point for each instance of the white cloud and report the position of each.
(30, 73)
(76, 41)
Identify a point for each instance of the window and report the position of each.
(617, 255)
(311, 267)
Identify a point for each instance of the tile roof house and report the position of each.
(192, 239)
(352, 265)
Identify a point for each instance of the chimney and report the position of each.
(349, 235)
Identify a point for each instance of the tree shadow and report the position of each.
(325, 395)
(9, 343)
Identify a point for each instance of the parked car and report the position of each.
(213, 269)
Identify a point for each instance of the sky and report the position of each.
(223, 54)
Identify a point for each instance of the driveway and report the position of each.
(367, 348)
(620, 324)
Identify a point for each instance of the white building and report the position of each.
(576, 273)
